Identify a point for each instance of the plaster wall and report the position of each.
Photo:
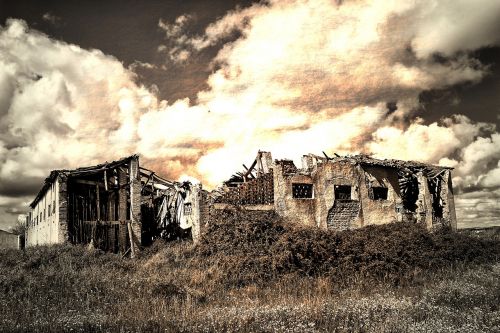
(380, 211)
(43, 224)
(301, 210)
(324, 209)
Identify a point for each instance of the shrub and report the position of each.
(253, 247)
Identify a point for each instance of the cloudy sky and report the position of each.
(198, 87)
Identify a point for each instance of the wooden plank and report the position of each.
(98, 202)
(105, 180)
(106, 222)
(250, 169)
(89, 182)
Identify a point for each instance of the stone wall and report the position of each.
(343, 214)
(135, 205)
(380, 211)
(328, 209)
(63, 209)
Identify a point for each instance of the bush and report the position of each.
(254, 247)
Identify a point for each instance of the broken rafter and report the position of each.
(327, 157)
(249, 170)
(147, 181)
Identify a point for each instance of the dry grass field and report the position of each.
(256, 273)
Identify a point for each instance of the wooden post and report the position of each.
(98, 203)
(105, 181)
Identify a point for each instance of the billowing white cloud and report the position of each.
(60, 106)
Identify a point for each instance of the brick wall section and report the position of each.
(63, 235)
(342, 214)
(258, 191)
(135, 203)
(122, 211)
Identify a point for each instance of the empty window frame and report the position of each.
(342, 192)
(188, 209)
(53, 207)
(49, 210)
(379, 193)
(302, 191)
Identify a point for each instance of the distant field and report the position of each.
(258, 274)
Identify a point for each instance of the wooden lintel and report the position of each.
(107, 222)
(89, 182)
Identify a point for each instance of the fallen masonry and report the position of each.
(120, 206)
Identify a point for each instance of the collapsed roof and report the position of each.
(146, 174)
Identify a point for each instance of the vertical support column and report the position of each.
(424, 204)
(196, 205)
(63, 235)
(307, 162)
(449, 213)
(98, 202)
(122, 210)
(111, 216)
(135, 231)
(267, 161)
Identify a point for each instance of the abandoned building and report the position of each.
(9, 240)
(344, 192)
(117, 206)
(121, 206)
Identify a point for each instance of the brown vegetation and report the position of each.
(253, 272)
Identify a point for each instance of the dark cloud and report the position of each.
(20, 186)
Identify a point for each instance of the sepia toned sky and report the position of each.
(198, 87)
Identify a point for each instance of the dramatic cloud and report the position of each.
(291, 77)
(60, 106)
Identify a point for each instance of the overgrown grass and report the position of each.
(253, 272)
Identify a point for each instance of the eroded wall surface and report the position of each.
(342, 194)
(379, 210)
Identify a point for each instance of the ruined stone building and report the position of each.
(117, 206)
(345, 192)
(120, 206)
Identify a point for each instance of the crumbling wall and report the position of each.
(204, 202)
(301, 209)
(449, 212)
(333, 211)
(135, 226)
(424, 202)
(343, 214)
(380, 210)
(62, 210)
(259, 191)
